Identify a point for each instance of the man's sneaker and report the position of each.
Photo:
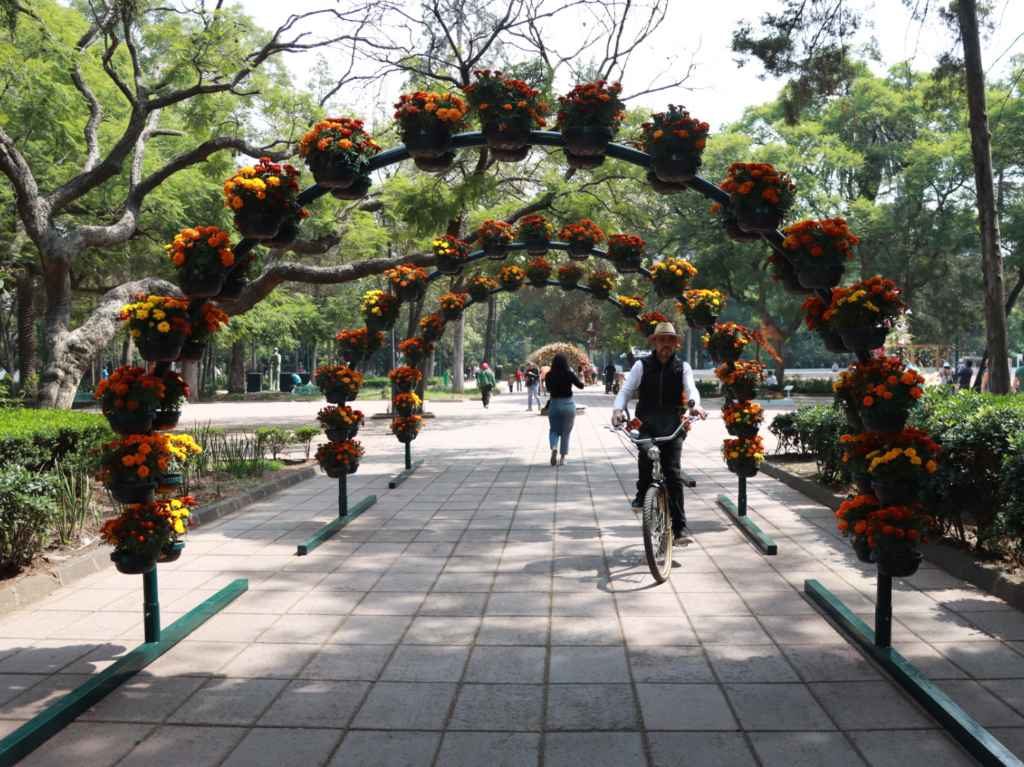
(638, 503)
(681, 537)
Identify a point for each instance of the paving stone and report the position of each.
(700, 749)
(348, 662)
(172, 746)
(869, 705)
(406, 706)
(372, 629)
(502, 630)
(750, 663)
(496, 749)
(522, 665)
(982, 660)
(838, 662)
(274, 747)
(585, 631)
(984, 707)
(415, 663)
(143, 699)
(271, 661)
(498, 707)
(97, 744)
(228, 702)
(669, 664)
(594, 749)
(804, 749)
(307, 703)
(591, 707)
(684, 707)
(588, 664)
(910, 747)
(517, 603)
(386, 749)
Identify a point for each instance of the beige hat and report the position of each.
(664, 329)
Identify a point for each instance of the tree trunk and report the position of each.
(458, 356)
(981, 151)
(66, 365)
(236, 368)
(491, 332)
(190, 372)
(26, 295)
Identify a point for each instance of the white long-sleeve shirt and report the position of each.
(636, 374)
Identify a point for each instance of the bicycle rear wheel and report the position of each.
(658, 533)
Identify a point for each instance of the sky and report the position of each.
(718, 89)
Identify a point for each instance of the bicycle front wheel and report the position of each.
(658, 533)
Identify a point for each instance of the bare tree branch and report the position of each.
(31, 208)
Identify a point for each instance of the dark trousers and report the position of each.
(485, 394)
(671, 453)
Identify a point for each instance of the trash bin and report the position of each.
(286, 382)
(253, 382)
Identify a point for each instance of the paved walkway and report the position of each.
(496, 611)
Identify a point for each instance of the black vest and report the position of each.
(661, 395)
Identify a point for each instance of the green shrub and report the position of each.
(27, 507)
(305, 435)
(708, 388)
(818, 429)
(1009, 523)
(72, 480)
(272, 438)
(811, 386)
(37, 439)
(787, 436)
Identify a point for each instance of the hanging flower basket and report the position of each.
(451, 253)
(742, 467)
(405, 378)
(192, 350)
(701, 307)
(339, 383)
(601, 283)
(171, 552)
(579, 249)
(406, 428)
(626, 252)
(823, 277)
(262, 196)
(481, 286)
(496, 251)
(432, 327)
(742, 456)
(258, 224)
(535, 232)
(340, 423)
(759, 196)
(630, 306)
(863, 339)
(675, 142)
(428, 142)
(664, 187)
(337, 150)
(494, 237)
(507, 108)
(883, 421)
(701, 317)
(671, 276)
(415, 350)
(141, 492)
(131, 563)
(569, 275)
(337, 458)
(287, 233)
(165, 347)
(131, 422)
(899, 560)
(538, 271)
(440, 164)
(511, 277)
(234, 284)
(201, 285)
(832, 340)
(818, 250)
(742, 419)
(588, 117)
(357, 190)
(165, 420)
(379, 309)
(358, 345)
(406, 403)
(863, 549)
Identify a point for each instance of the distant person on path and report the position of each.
(562, 408)
(511, 382)
(485, 383)
(609, 376)
(946, 375)
(519, 379)
(663, 383)
(963, 375)
(532, 384)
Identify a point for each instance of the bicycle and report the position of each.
(657, 514)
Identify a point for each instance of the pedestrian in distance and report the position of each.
(485, 383)
(532, 378)
(562, 407)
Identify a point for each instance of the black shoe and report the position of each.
(681, 536)
(638, 502)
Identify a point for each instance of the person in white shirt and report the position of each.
(664, 385)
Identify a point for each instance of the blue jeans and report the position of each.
(531, 395)
(561, 417)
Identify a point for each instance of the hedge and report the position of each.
(36, 439)
(981, 474)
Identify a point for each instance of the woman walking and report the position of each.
(562, 408)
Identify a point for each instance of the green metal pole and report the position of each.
(151, 605)
(343, 494)
(741, 507)
(408, 455)
(883, 611)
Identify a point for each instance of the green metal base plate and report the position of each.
(761, 539)
(331, 528)
(53, 719)
(404, 475)
(971, 735)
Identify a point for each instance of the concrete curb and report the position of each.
(96, 558)
(957, 563)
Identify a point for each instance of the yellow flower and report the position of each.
(164, 327)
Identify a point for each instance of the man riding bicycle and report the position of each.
(662, 382)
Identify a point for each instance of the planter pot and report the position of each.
(832, 340)
(479, 294)
(536, 246)
(629, 265)
(331, 173)
(740, 392)
(405, 410)
(741, 430)
(286, 235)
(511, 287)
(586, 140)
(822, 277)
(742, 467)
(171, 480)
(192, 350)
(201, 287)
(127, 422)
(564, 285)
(580, 162)
(664, 187)
(435, 164)
(899, 560)
(538, 281)
(259, 224)
(427, 141)
(406, 437)
(675, 167)
(171, 552)
(862, 548)
(233, 287)
(342, 434)
(733, 231)
(375, 323)
(412, 292)
(894, 493)
(356, 191)
(165, 420)
(451, 315)
(161, 347)
(579, 250)
(863, 483)
(336, 471)
(496, 251)
(882, 420)
(508, 137)
(446, 265)
(665, 290)
(701, 318)
(863, 339)
(602, 294)
(130, 563)
(511, 155)
(404, 386)
(725, 355)
(133, 493)
(760, 222)
(339, 396)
